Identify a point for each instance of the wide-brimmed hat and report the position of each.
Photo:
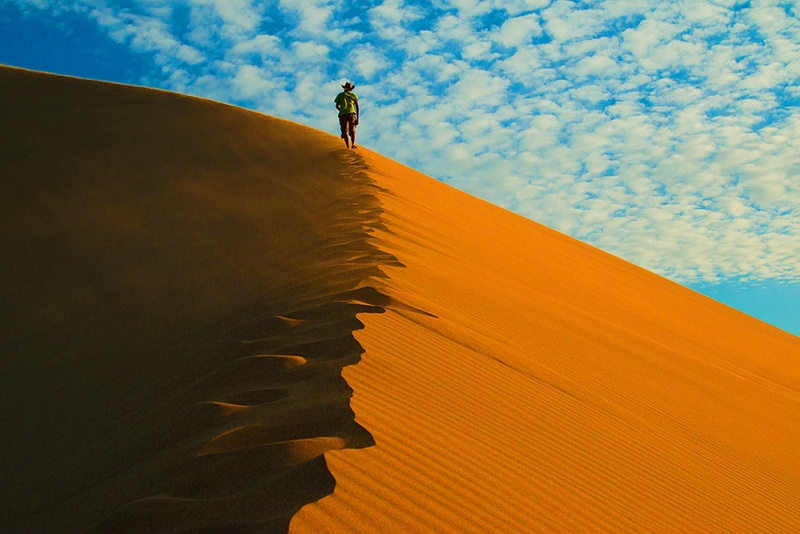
(347, 86)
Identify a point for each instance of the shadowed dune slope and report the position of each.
(188, 285)
(180, 284)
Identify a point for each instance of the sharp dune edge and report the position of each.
(219, 321)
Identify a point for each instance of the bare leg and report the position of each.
(345, 131)
(351, 131)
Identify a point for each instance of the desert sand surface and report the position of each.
(214, 320)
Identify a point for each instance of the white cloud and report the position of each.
(457, 29)
(189, 55)
(419, 44)
(595, 66)
(563, 22)
(251, 82)
(478, 51)
(674, 54)
(312, 16)
(260, 45)
(392, 13)
(522, 66)
(368, 61)
(239, 13)
(309, 50)
(477, 90)
(649, 34)
(518, 31)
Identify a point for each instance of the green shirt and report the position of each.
(346, 101)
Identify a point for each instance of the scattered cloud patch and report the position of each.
(666, 133)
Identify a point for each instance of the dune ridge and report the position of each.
(214, 320)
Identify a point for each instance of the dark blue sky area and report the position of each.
(70, 44)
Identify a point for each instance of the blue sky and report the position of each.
(666, 133)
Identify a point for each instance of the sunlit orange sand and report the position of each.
(192, 292)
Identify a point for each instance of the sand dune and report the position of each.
(192, 293)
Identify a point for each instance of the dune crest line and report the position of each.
(183, 284)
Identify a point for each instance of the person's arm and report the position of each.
(358, 113)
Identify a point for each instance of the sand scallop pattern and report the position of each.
(262, 420)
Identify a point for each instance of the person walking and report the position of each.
(349, 113)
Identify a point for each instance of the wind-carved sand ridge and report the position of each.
(222, 416)
(279, 403)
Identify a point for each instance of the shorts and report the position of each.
(348, 125)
